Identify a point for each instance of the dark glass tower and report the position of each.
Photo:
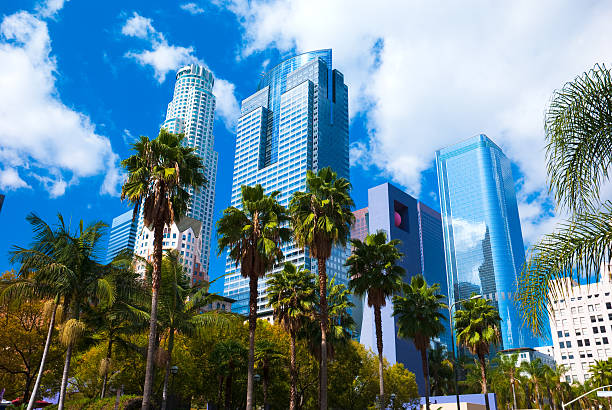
(482, 232)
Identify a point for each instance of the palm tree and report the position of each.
(61, 265)
(440, 369)
(266, 354)
(560, 386)
(160, 174)
(125, 315)
(322, 218)
(418, 318)
(507, 364)
(181, 308)
(535, 372)
(253, 236)
(477, 327)
(374, 272)
(578, 125)
(601, 375)
(291, 294)
(228, 357)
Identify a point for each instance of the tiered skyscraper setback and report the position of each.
(297, 120)
(191, 112)
(419, 228)
(482, 232)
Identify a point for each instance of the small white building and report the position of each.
(581, 323)
(528, 354)
(184, 237)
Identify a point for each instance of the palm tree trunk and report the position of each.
(537, 393)
(252, 327)
(167, 375)
(379, 346)
(425, 375)
(512, 382)
(43, 358)
(219, 393)
(157, 264)
(483, 382)
(292, 373)
(324, 320)
(109, 353)
(62, 397)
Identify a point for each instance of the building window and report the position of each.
(562, 345)
(604, 340)
(579, 343)
(595, 330)
(559, 333)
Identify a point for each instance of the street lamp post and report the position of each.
(450, 319)
(174, 371)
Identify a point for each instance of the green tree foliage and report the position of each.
(441, 376)
(322, 218)
(160, 174)
(22, 340)
(291, 294)
(253, 236)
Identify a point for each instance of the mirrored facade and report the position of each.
(483, 243)
(296, 120)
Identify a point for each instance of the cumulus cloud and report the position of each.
(10, 180)
(38, 133)
(192, 8)
(164, 57)
(50, 7)
(426, 76)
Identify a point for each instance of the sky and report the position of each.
(80, 80)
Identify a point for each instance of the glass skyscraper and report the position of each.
(122, 235)
(297, 120)
(191, 112)
(483, 243)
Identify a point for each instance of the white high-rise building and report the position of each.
(191, 112)
(581, 324)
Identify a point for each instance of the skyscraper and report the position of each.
(297, 120)
(482, 232)
(122, 235)
(191, 112)
(419, 228)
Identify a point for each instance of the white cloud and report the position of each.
(227, 105)
(164, 57)
(192, 8)
(49, 8)
(37, 131)
(427, 75)
(10, 180)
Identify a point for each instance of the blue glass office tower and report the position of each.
(122, 235)
(482, 232)
(296, 121)
(419, 228)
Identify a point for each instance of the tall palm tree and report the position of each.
(561, 387)
(535, 373)
(322, 218)
(253, 236)
(291, 294)
(601, 374)
(477, 327)
(62, 265)
(578, 125)
(181, 308)
(374, 272)
(418, 318)
(507, 364)
(160, 174)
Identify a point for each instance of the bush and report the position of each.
(126, 402)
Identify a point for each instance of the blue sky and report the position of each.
(79, 79)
